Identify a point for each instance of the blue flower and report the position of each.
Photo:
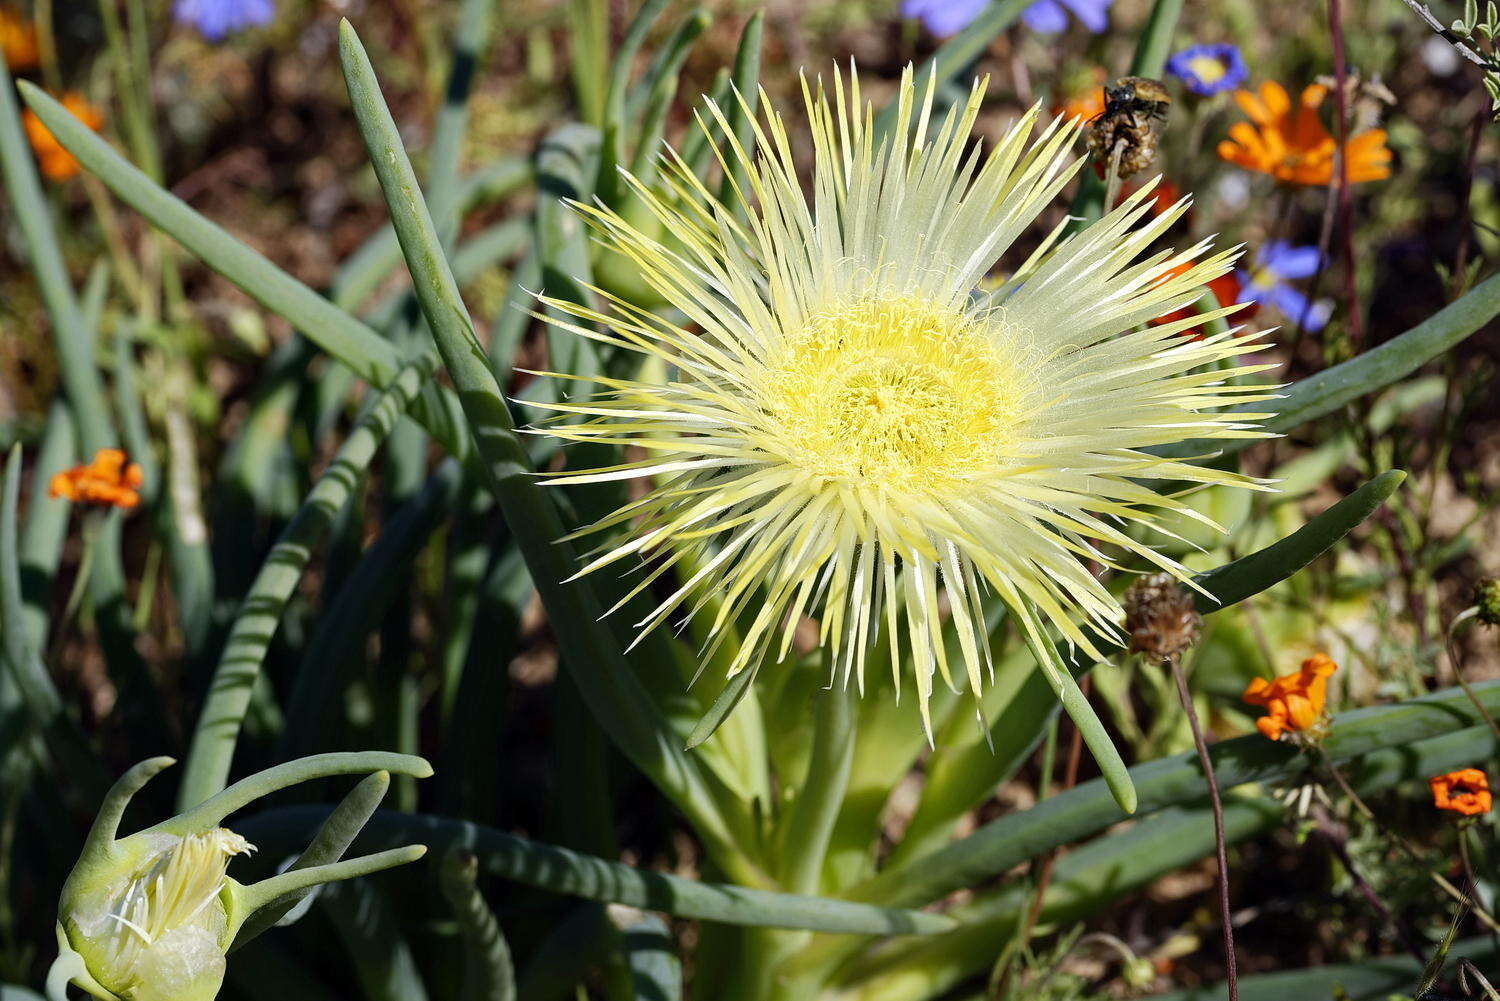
(949, 17)
(1209, 69)
(1276, 264)
(1051, 16)
(943, 17)
(218, 18)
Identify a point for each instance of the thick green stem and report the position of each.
(805, 839)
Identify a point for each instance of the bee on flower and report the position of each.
(856, 424)
(108, 481)
(56, 163)
(1295, 703)
(1465, 792)
(1123, 134)
(1292, 145)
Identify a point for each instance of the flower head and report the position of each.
(1293, 146)
(1209, 69)
(18, 41)
(216, 19)
(1293, 702)
(1466, 791)
(1276, 264)
(1160, 617)
(57, 163)
(108, 481)
(854, 425)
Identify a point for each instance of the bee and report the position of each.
(1131, 104)
(1137, 95)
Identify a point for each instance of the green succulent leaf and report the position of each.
(560, 870)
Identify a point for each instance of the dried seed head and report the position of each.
(1487, 601)
(1160, 617)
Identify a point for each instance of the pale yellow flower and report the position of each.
(845, 424)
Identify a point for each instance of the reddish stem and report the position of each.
(1221, 852)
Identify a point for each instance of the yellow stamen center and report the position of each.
(1264, 278)
(896, 392)
(1207, 68)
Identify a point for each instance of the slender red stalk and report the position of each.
(1221, 852)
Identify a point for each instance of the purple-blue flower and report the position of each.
(1277, 263)
(943, 17)
(1209, 69)
(1051, 16)
(218, 18)
(949, 17)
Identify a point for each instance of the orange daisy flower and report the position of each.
(57, 163)
(1466, 791)
(1293, 702)
(107, 481)
(18, 41)
(1293, 146)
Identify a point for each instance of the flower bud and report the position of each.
(151, 917)
(1138, 973)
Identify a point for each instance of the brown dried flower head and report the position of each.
(1160, 617)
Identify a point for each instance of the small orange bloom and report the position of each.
(57, 163)
(1293, 146)
(1226, 289)
(1162, 197)
(18, 41)
(1292, 701)
(1466, 791)
(1086, 104)
(108, 480)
